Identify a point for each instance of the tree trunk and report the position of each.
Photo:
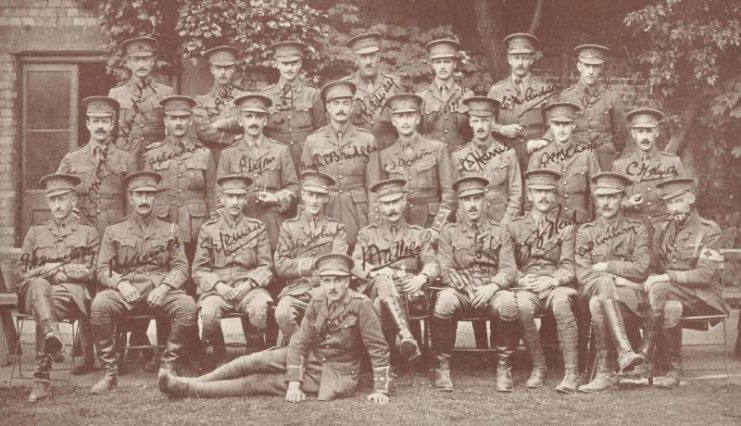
(688, 109)
(489, 23)
(535, 21)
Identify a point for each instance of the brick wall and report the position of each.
(30, 25)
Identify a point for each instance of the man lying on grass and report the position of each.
(322, 357)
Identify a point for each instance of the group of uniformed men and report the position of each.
(281, 186)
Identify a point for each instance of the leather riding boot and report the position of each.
(408, 346)
(442, 335)
(40, 389)
(254, 337)
(531, 337)
(43, 313)
(87, 363)
(604, 379)
(673, 349)
(175, 348)
(41, 380)
(105, 346)
(627, 359)
(567, 338)
(505, 339)
(650, 335)
(215, 338)
(176, 388)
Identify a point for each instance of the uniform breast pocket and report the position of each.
(622, 250)
(159, 166)
(302, 120)
(426, 171)
(271, 176)
(125, 251)
(577, 180)
(245, 250)
(463, 254)
(498, 174)
(195, 171)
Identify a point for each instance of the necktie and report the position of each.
(408, 151)
(444, 92)
(98, 153)
(370, 86)
(520, 87)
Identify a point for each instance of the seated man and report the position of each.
(685, 250)
(300, 241)
(323, 356)
(52, 275)
(232, 267)
(395, 262)
(142, 268)
(478, 267)
(544, 250)
(612, 258)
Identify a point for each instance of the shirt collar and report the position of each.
(256, 144)
(142, 222)
(296, 84)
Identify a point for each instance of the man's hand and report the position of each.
(60, 277)
(294, 392)
(600, 266)
(128, 291)
(653, 279)
(241, 290)
(510, 130)
(268, 198)
(378, 398)
(536, 144)
(484, 294)
(634, 201)
(538, 284)
(157, 296)
(414, 284)
(224, 290)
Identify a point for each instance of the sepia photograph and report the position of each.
(370, 212)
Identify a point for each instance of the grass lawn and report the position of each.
(413, 402)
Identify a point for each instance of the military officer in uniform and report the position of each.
(443, 110)
(52, 275)
(373, 88)
(477, 265)
(686, 277)
(141, 267)
(611, 260)
(487, 157)
(646, 166)
(232, 267)
(396, 262)
(188, 173)
(301, 241)
(521, 96)
(100, 166)
(267, 162)
(296, 110)
(576, 163)
(140, 119)
(348, 154)
(423, 162)
(216, 119)
(323, 356)
(546, 281)
(600, 122)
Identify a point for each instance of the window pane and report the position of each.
(48, 102)
(44, 150)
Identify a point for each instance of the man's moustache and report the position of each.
(144, 205)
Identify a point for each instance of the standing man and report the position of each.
(140, 120)
(600, 123)
(300, 242)
(396, 263)
(323, 357)
(52, 275)
(100, 166)
(521, 97)
(346, 153)
(443, 110)
(374, 88)
(296, 110)
(267, 162)
(546, 282)
(142, 268)
(576, 163)
(478, 267)
(423, 162)
(216, 119)
(232, 267)
(188, 173)
(646, 166)
(686, 280)
(612, 260)
(487, 157)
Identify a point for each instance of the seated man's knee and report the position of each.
(505, 305)
(384, 287)
(211, 312)
(105, 305)
(38, 287)
(185, 311)
(257, 309)
(605, 288)
(284, 312)
(562, 301)
(526, 306)
(446, 303)
(673, 310)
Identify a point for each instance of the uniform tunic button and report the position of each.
(648, 189)
(180, 190)
(340, 162)
(180, 204)
(324, 359)
(339, 177)
(411, 205)
(340, 191)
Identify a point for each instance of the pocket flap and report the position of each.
(359, 196)
(197, 210)
(161, 165)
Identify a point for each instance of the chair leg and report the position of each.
(17, 357)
